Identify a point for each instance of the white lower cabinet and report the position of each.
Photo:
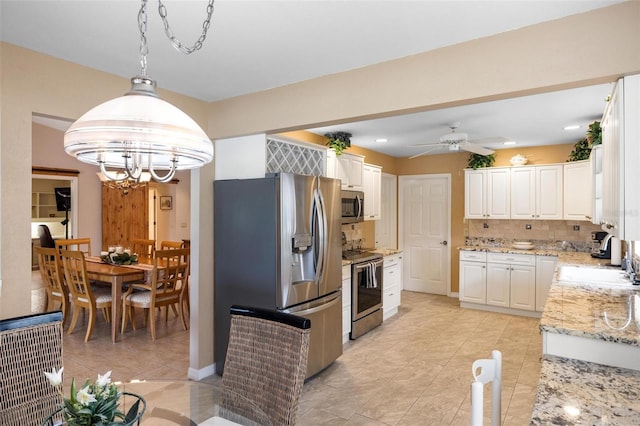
(498, 282)
(545, 269)
(346, 302)
(473, 277)
(505, 282)
(392, 285)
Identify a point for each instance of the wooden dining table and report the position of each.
(116, 276)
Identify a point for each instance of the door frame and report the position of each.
(73, 183)
(401, 182)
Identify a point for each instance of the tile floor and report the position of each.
(413, 370)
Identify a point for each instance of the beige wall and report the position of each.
(548, 56)
(34, 83)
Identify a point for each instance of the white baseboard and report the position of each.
(199, 374)
(501, 310)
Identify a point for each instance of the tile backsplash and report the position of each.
(353, 236)
(563, 235)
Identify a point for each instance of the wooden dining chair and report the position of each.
(169, 277)
(143, 247)
(167, 245)
(75, 244)
(82, 294)
(29, 346)
(53, 278)
(164, 245)
(266, 360)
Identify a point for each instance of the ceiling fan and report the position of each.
(456, 141)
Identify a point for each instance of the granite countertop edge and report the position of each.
(510, 250)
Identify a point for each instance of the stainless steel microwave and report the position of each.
(352, 206)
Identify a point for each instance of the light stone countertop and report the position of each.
(573, 392)
(386, 251)
(511, 250)
(577, 309)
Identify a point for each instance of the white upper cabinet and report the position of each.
(386, 228)
(595, 163)
(487, 194)
(536, 192)
(349, 169)
(577, 191)
(372, 176)
(621, 156)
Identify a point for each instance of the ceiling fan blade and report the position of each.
(424, 152)
(420, 145)
(476, 149)
(495, 139)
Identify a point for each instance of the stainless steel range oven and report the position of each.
(366, 291)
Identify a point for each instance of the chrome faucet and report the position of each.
(630, 271)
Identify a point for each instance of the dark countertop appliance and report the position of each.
(277, 245)
(604, 252)
(366, 290)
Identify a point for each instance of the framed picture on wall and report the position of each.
(165, 202)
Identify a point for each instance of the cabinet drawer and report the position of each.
(392, 260)
(392, 276)
(512, 259)
(474, 256)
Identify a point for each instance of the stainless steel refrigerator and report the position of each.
(277, 245)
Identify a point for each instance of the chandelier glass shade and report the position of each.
(139, 131)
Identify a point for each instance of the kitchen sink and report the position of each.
(600, 276)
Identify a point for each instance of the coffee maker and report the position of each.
(604, 250)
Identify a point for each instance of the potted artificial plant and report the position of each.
(338, 141)
(476, 161)
(582, 148)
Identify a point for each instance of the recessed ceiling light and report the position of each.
(510, 143)
(572, 127)
(382, 140)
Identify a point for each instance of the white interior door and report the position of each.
(425, 232)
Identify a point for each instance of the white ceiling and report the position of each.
(257, 45)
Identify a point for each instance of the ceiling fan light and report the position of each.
(453, 137)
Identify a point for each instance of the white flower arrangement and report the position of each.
(94, 403)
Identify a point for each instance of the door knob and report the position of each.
(443, 243)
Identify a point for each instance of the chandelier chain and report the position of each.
(174, 41)
(144, 49)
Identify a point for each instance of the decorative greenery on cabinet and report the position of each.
(476, 160)
(582, 148)
(339, 141)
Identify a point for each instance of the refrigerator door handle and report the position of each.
(320, 217)
(323, 304)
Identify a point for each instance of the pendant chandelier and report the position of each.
(123, 182)
(139, 131)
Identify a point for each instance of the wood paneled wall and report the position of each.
(124, 215)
